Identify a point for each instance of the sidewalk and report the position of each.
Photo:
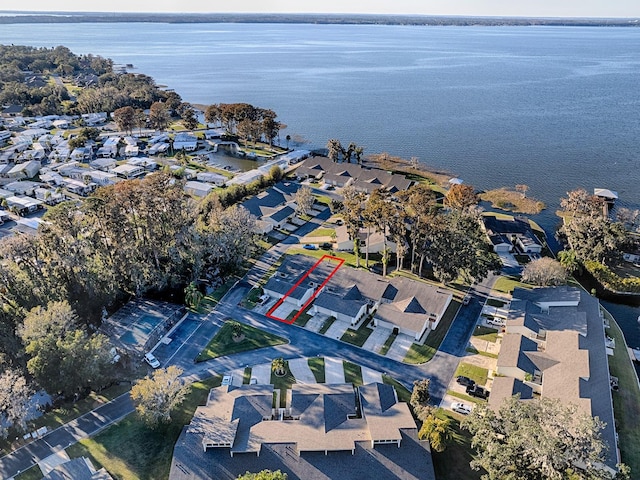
(88, 424)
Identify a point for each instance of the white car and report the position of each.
(460, 407)
(151, 360)
(496, 321)
(227, 379)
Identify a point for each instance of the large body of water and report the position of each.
(555, 108)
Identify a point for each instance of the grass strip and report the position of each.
(130, 450)
(474, 372)
(387, 344)
(224, 343)
(327, 325)
(352, 373)
(283, 383)
(316, 365)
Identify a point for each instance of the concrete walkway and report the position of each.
(300, 369)
(333, 370)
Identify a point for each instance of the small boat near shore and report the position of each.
(635, 354)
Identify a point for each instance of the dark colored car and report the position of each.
(466, 381)
(477, 392)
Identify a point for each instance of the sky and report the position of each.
(525, 8)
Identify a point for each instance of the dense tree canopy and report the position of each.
(156, 396)
(536, 439)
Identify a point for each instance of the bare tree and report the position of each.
(156, 396)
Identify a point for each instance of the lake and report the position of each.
(555, 108)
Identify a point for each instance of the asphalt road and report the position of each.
(194, 333)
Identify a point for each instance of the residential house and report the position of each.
(412, 308)
(554, 347)
(80, 154)
(319, 418)
(511, 234)
(11, 111)
(77, 469)
(214, 133)
(4, 216)
(144, 162)
(79, 187)
(297, 279)
(62, 123)
(5, 135)
(104, 164)
(187, 173)
(158, 148)
(127, 171)
(131, 148)
(185, 141)
(197, 189)
(24, 170)
(49, 196)
(274, 207)
(94, 119)
(22, 187)
(51, 178)
(214, 178)
(102, 178)
(23, 205)
(351, 295)
(376, 241)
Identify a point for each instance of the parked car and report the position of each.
(462, 408)
(151, 360)
(253, 381)
(263, 299)
(466, 300)
(465, 381)
(496, 321)
(477, 391)
(227, 379)
(309, 246)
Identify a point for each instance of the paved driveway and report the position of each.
(337, 329)
(400, 347)
(377, 339)
(300, 369)
(371, 376)
(333, 370)
(262, 373)
(316, 322)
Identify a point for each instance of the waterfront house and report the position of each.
(511, 234)
(185, 141)
(554, 346)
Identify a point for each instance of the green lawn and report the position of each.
(246, 376)
(359, 336)
(465, 397)
(214, 297)
(224, 344)
(283, 383)
(130, 450)
(486, 333)
(494, 302)
(626, 401)
(252, 297)
(507, 284)
(34, 473)
(322, 232)
(423, 353)
(352, 373)
(453, 463)
(349, 258)
(70, 411)
(302, 320)
(404, 395)
(316, 364)
(478, 374)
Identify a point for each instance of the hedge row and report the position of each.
(611, 280)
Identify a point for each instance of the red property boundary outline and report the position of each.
(270, 315)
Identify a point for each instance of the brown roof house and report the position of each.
(554, 347)
(238, 430)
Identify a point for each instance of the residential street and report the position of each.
(303, 343)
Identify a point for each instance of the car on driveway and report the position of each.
(477, 391)
(465, 381)
(460, 407)
(309, 246)
(496, 321)
(466, 300)
(227, 379)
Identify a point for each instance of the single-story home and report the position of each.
(343, 243)
(25, 170)
(185, 141)
(509, 234)
(128, 171)
(197, 189)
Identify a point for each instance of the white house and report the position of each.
(197, 189)
(25, 170)
(209, 177)
(185, 141)
(128, 171)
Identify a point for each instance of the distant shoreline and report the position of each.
(24, 17)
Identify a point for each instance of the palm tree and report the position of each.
(437, 431)
(569, 260)
(236, 329)
(192, 295)
(278, 366)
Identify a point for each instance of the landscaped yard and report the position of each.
(322, 232)
(130, 450)
(478, 374)
(225, 344)
(453, 463)
(359, 336)
(349, 258)
(327, 324)
(626, 401)
(283, 383)
(507, 284)
(404, 395)
(387, 344)
(486, 333)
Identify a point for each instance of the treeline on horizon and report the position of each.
(8, 17)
